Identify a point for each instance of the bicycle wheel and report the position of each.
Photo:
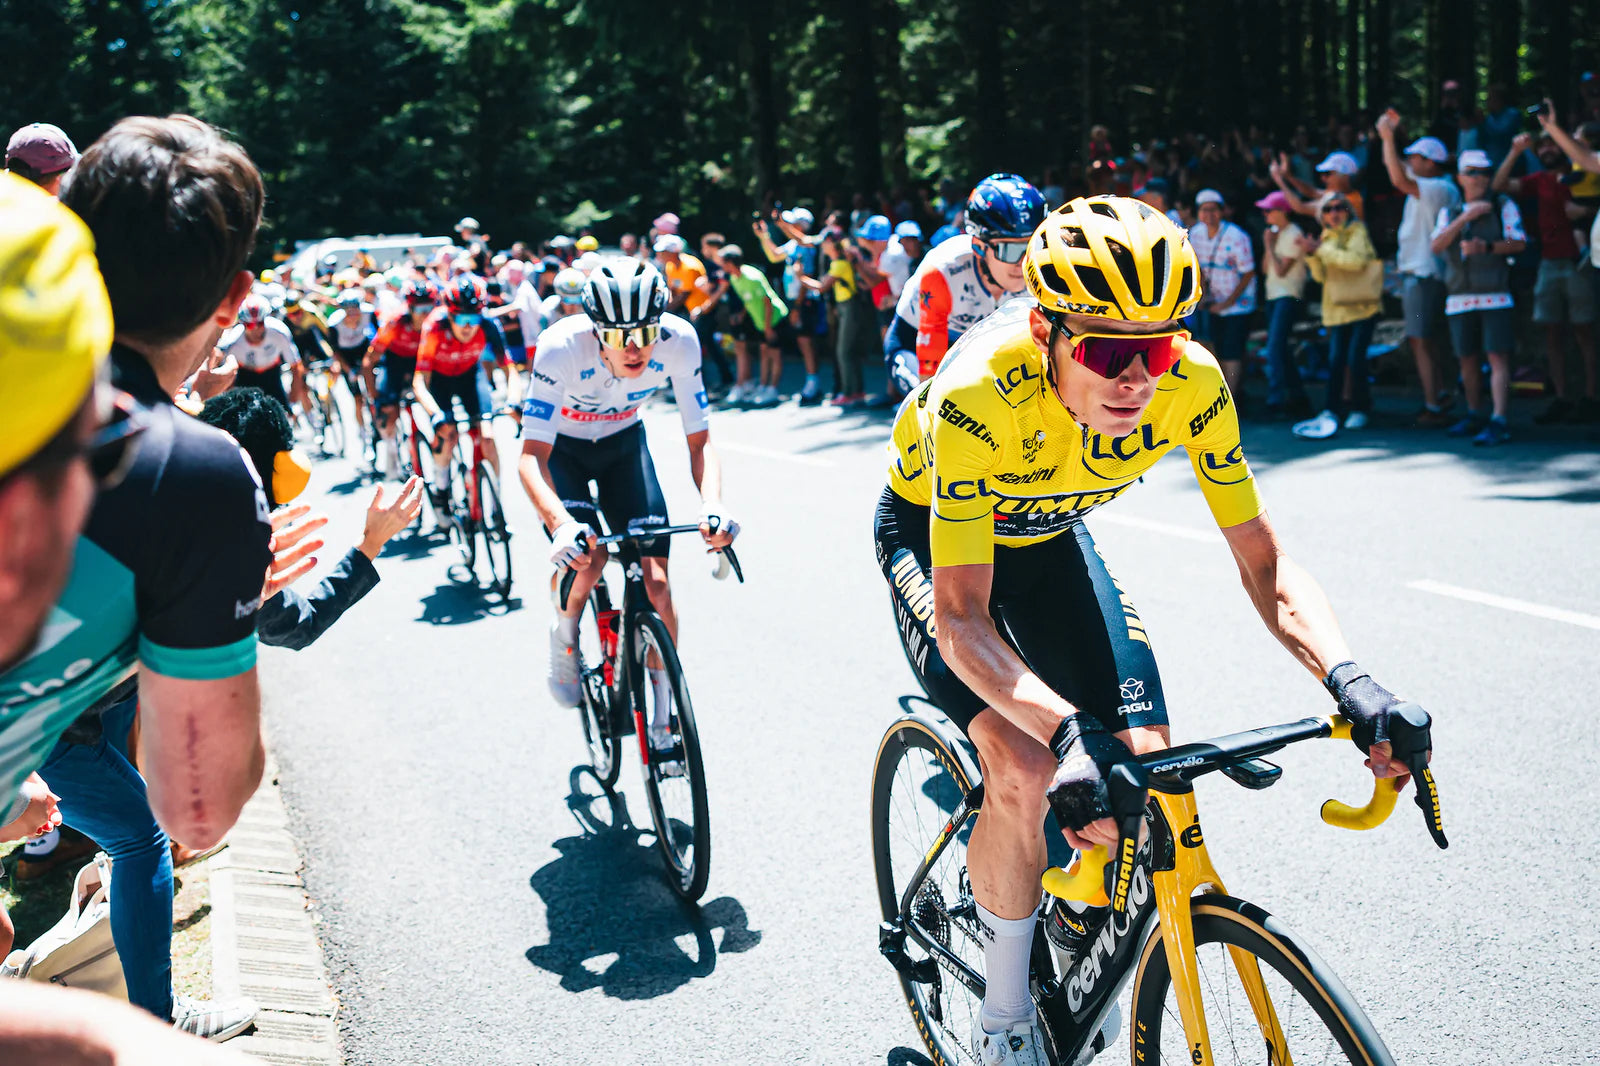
(918, 782)
(1318, 1019)
(332, 421)
(492, 530)
(674, 780)
(597, 712)
(463, 529)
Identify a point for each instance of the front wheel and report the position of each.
(463, 528)
(597, 712)
(332, 422)
(1312, 1016)
(674, 779)
(493, 532)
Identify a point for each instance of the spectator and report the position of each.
(1338, 172)
(628, 244)
(807, 315)
(1227, 282)
(187, 526)
(872, 240)
(764, 323)
(900, 257)
(1588, 97)
(712, 316)
(1351, 274)
(1157, 193)
(1561, 295)
(1478, 239)
(1422, 271)
(586, 244)
(1499, 124)
(43, 154)
(1100, 145)
(857, 338)
(666, 222)
(1283, 263)
(1452, 116)
(1054, 195)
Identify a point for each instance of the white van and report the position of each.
(385, 249)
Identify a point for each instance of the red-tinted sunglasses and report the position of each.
(1109, 354)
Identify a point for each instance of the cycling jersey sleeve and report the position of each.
(427, 348)
(544, 398)
(199, 586)
(386, 336)
(494, 337)
(933, 331)
(962, 523)
(1215, 451)
(688, 390)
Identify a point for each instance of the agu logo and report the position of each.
(1132, 689)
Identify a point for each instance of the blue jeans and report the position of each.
(103, 796)
(1283, 377)
(1347, 353)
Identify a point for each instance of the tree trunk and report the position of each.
(1505, 35)
(990, 106)
(1320, 69)
(893, 83)
(758, 69)
(861, 91)
(1352, 57)
(1380, 65)
(1291, 111)
(1555, 50)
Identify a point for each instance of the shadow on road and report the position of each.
(613, 922)
(351, 484)
(456, 603)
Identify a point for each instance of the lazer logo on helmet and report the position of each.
(966, 423)
(1200, 421)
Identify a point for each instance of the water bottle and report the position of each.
(1070, 925)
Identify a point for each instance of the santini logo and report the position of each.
(966, 423)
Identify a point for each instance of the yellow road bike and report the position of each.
(1216, 979)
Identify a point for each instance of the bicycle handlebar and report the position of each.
(644, 533)
(1173, 768)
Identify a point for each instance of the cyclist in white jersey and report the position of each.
(353, 327)
(580, 423)
(262, 346)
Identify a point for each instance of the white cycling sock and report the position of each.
(661, 717)
(1006, 1002)
(567, 627)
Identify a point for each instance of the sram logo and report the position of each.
(1091, 966)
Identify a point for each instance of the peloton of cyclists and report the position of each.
(392, 361)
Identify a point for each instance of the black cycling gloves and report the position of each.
(1078, 794)
(1363, 701)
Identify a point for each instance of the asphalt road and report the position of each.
(473, 913)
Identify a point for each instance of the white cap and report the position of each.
(467, 223)
(1428, 148)
(670, 242)
(798, 216)
(1474, 159)
(1339, 163)
(1208, 196)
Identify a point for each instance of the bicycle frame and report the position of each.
(1157, 891)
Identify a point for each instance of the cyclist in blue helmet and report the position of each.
(964, 278)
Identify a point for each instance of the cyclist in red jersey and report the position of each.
(453, 342)
(396, 346)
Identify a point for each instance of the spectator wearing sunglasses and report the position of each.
(1351, 273)
(1228, 284)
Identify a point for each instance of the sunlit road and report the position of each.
(470, 915)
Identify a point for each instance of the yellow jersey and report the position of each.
(989, 446)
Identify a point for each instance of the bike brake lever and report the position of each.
(733, 561)
(1126, 785)
(1410, 736)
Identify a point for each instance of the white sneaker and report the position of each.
(563, 676)
(767, 396)
(739, 394)
(1020, 1045)
(1355, 420)
(214, 1019)
(380, 461)
(1321, 427)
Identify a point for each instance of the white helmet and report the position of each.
(569, 283)
(623, 292)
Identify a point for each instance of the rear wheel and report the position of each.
(1319, 1021)
(492, 530)
(463, 530)
(332, 419)
(917, 785)
(674, 779)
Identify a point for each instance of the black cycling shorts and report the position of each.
(621, 467)
(1054, 602)
(268, 381)
(468, 388)
(394, 378)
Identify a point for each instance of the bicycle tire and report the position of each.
(688, 858)
(463, 528)
(597, 711)
(943, 1009)
(1238, 925)
(494, 532)
(333, 442)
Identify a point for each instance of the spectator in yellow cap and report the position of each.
(587, 243)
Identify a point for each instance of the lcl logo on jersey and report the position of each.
(1227, 469)
(1017, 384)
(1113, 454)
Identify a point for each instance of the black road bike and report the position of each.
(615, 647)
(1215, 978)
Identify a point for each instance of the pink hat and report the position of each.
(1274, 201)
(43, 147)
(667, 223)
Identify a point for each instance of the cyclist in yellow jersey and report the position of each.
(1045, 410)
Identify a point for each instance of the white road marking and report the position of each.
(1506, 603)
(1205, 536)
(767, 453)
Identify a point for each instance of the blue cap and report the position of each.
(908, 228)
(875, 228)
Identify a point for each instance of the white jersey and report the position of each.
(274, 349)
(947, 288)
(350, 331)
(551, 311)
(572, 394)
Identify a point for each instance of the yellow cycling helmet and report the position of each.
(587, 243)
(1113, 256)
(55, 318)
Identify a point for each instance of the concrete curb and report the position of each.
(264, 941)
